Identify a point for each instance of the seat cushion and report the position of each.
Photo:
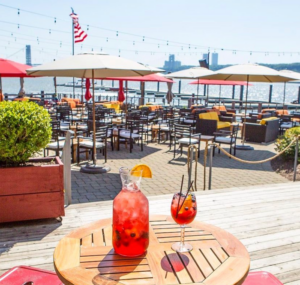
(222, 125)
(264, 121)
(125, 134)
(164, 128)
(188, 141)
(224, 140)
(53, 145)
(89, 144)
(220, 108)
(189, 121)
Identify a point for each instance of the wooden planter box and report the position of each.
(33, 192)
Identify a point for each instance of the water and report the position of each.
(258, 91)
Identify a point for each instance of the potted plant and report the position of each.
(30, 188)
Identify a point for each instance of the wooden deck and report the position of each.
(266, 219)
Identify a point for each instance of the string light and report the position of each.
(87, 27)
(117, 34)
(18, 11)
(54, 20)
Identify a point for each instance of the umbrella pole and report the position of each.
(126, 110)
(243, 146)
(283, 95)
(94, 168)
(197, 92)
(94, 122)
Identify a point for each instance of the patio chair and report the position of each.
(86, 143)
(133, 132)
(183, 135)
(227, 137)
(261, 278)
(57, 142)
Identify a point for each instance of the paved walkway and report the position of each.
(167, 172)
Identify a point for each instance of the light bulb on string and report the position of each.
(143, 38)
(189, 46)
(117, 33)
(60, 44)
(50, 32)
(54, 20)
(167, 43)
(250, 52)
(106, 39)
(18, 11)
(18, 26)
(133, 43)
(181, 48)
(101, 49)
(158, 45)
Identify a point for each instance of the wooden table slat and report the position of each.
(211, 257)
(204, 266)
(98, 238)
(179, 267)
(86, 241)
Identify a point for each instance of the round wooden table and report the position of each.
(86, 256)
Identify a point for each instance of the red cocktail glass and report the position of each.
(183, 211)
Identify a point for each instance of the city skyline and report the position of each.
(238, 31)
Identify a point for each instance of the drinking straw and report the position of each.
(186, 196)
(180, 195)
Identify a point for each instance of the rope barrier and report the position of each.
(242, 160)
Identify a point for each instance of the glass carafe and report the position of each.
(130, 216)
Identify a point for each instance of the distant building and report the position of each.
(28, 55)
(171, 64)
(205, 56)
(214, 59)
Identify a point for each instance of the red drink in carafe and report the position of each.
(130, 217)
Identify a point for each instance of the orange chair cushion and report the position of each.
(221, 108)
(282, 112)
(215, 111)
(268, 110)
(1, 97)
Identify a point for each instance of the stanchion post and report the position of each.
(296, 159)
(210, 166)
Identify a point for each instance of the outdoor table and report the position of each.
(86, 256)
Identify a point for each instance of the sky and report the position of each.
(240, 31)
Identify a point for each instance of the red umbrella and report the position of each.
(219, 82)
(87, 95)
(10, 68)
(121, 96)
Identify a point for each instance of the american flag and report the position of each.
(79, 34)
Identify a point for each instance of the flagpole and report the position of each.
(73, 54)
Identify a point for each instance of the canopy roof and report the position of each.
(10, 68)
(287, 72)
(250, 73)
(218, 82)
(83, 65)
(148, 78)
(191, 73)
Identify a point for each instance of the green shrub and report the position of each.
(25, 128)
(283, 141)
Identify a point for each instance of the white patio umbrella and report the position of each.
(294, 74)
(92, 65)
(249, 73)
(191, 73)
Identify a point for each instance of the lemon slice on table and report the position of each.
(146, 173)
